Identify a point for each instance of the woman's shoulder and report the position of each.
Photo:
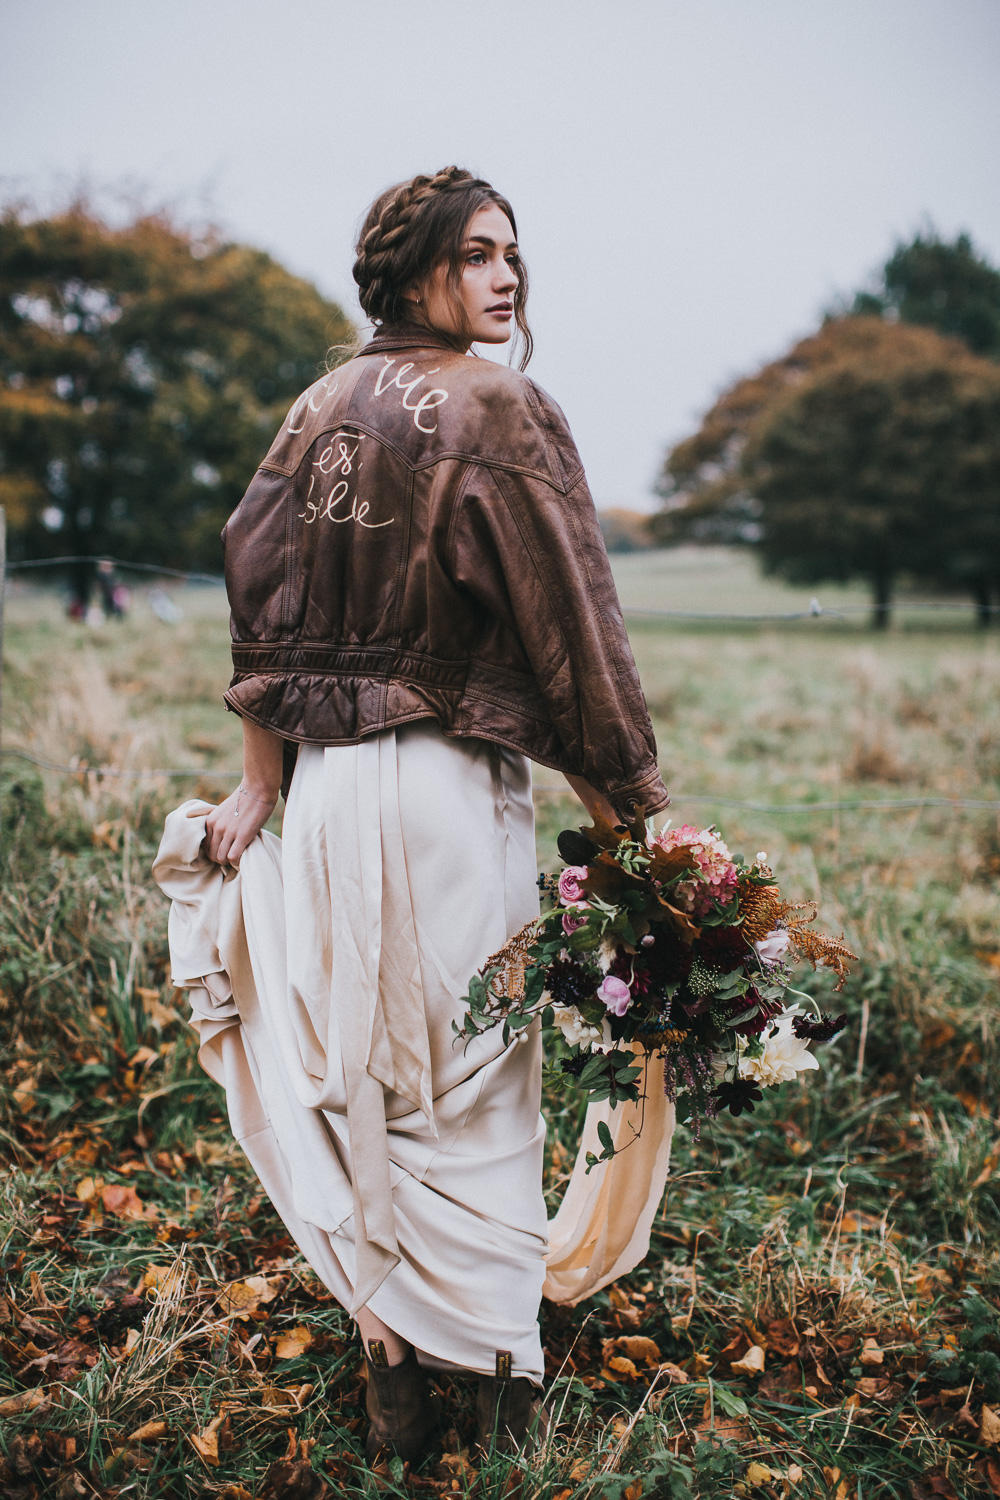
(509, 419)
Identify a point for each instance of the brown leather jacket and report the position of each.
(420, 542)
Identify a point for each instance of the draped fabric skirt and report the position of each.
(412, 1178)
(325, 979)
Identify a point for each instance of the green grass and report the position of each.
(864, 1207)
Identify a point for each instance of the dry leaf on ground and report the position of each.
(752, 1362)
(241, 1298)
(293, 1342)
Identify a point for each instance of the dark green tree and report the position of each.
(939, 284)
(703, 481)
(876, 468)
(145, 369)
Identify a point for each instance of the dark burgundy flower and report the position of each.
(632, 969)
(568, 982)
(766, 1012)
(737, 1095)
(667, 959)
(723, 948)
(818, 1031)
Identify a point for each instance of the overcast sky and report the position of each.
(694, 180)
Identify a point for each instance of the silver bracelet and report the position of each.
(239, 793)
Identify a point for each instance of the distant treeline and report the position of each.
(145, 368)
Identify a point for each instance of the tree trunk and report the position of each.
(881, 599)
(981, 592)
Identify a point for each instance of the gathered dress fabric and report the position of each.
(326, 978)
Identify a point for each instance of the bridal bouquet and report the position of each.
(663, 943)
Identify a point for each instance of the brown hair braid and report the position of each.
(417, 225)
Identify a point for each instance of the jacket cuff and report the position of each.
(646, 794)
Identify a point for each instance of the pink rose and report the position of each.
(616, 994)
(571, 892)
(571, 920)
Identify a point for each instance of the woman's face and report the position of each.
(488, 281)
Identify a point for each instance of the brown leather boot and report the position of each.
(509, 1413)
(400, 1405)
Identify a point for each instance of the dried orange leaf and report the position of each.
(13, 1406)
(871, 1354)
(293, 1343)
(241, 1298)
(215, 1438)
(150, 1432)
(163, 1280)
(634, 1347)
(285, 1398)
(124, 1202)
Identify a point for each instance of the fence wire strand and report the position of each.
(815, 610)
(196, 773)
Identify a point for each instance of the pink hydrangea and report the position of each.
(571, 892)
(714, 862)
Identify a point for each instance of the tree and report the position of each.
(145, 371)
(877, 467)
(950, 287)
(624, 530)
(870, 449)
(703, 483)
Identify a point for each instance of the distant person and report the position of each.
(114, 595)
(421, 602)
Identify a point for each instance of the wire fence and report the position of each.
(84, 770)
(815, 610)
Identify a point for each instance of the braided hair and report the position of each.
(415, 226)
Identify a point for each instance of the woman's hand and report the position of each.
(594, 801)
(236, 822)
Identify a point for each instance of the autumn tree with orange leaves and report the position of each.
(145, 369)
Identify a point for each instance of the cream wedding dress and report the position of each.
(324, 978)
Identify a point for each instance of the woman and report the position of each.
(421, 602)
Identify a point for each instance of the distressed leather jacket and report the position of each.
(420, 542)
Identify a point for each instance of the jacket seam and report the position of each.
(539, 574)
(610, 651)
(289, 471)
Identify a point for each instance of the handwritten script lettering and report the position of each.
(312, 400)
(340, 503)
(423, 403)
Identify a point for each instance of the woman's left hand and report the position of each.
(235, 823)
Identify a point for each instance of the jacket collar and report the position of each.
(407, 336)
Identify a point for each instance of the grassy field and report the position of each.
(818, 1313)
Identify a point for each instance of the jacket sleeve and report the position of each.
(530, 549)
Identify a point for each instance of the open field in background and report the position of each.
(819, 1310)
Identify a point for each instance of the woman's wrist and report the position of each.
(255, 794)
